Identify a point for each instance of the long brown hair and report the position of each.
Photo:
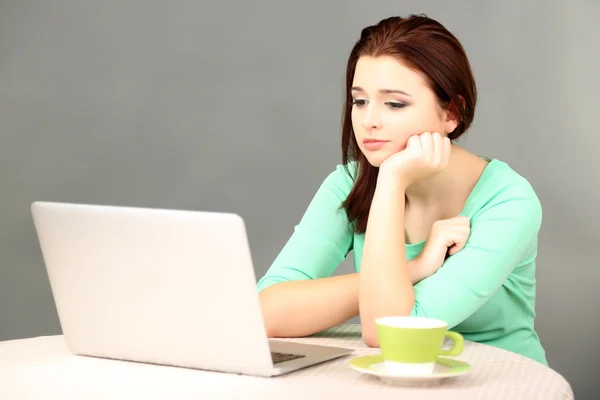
(425, 45)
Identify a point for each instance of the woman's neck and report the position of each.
(455, 182)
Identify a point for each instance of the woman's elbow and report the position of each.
(268, 315)
(271, 333)
(370, 339)
(270, 324)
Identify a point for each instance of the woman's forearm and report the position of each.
(301, 308)
(385, 278)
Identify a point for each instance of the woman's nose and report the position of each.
(372, 119)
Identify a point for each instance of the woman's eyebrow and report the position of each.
(386, 91)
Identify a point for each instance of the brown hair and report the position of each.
(425, 45)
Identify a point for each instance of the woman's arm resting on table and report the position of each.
(298, 294)
(303, 307)
(386, 284)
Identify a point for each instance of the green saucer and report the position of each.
(444, 368)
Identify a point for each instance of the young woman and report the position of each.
(435, 230)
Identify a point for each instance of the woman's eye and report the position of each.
(395, 104)
(359, 102)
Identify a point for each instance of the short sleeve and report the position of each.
(321, 240)
(503, 236)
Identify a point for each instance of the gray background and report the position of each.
(237, 107)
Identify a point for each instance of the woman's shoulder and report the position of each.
(500, 184)
(341, 179)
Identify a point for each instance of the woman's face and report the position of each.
(391, 103)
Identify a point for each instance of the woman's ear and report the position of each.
(452, 117)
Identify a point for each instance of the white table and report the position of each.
(42, 368)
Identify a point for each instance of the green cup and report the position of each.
(411, 345)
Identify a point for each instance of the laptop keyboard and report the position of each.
(282, 357)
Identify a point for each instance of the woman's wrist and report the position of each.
(392, 179)
(415, 268)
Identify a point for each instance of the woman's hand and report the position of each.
(447, 236)
(425, 155)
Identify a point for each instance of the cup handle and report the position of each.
(458, 344)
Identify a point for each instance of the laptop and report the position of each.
(167, 287)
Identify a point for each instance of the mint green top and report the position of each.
(486, 291)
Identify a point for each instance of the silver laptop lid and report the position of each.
(161, 286)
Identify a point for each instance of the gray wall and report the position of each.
(236, 107)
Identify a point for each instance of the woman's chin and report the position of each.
(375, 160)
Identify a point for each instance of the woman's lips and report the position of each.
(374, 144)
